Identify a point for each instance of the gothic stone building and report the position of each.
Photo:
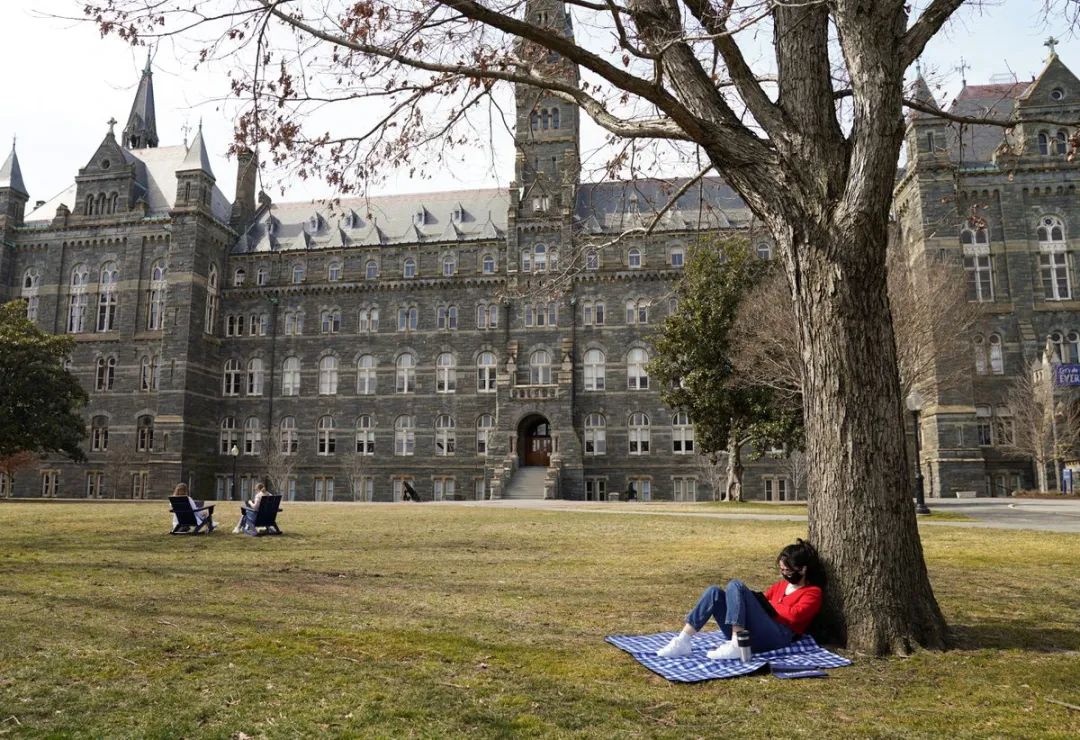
(1004, 204)
(376, 342)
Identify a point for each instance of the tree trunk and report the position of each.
(879, 599)
(734, 469)
(1040, 474)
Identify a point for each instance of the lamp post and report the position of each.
(914, 404)
(235, 452)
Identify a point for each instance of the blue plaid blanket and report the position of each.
(803, 655)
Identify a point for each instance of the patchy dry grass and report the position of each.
(440, 621)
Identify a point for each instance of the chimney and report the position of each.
(243, 209)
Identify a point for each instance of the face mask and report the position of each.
(792, 577)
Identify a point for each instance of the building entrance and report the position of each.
(534, 437)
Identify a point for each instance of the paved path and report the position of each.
(1046, 515)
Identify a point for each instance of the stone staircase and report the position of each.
(527, 483)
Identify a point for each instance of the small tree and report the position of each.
(1043, 427)
(40, 401)
(356, 468)
(278, 462)
(13, 463)
(713, 472)
(694, 363)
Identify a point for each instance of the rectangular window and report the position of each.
(979, 279)
(640, 488)
(684, 489)
(95, 484)
(982, 420)
(5, 485)
(364, 489)
(50, 483)
(596, 489)
(140, 484)
(443, 489)
(290, 488)
(775, 488)
(1055, 276)
(479, 489)
(398, 488)
(221, 487)
(324, 488)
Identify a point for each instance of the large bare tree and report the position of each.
(809, 136)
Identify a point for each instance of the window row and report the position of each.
(335, 270)
(144, 434)
(105, 373)
(994, 426)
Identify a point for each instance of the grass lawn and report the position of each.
(439, 621)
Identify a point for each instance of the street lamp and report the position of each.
(235, 452)
(914, 404)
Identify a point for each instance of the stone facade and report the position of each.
(1005, 206)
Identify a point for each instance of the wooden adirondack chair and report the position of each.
(186, 521)
(265, 516)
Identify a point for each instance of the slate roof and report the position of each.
(160, 165)
(614, 206)
(976, 144)
(11, 173)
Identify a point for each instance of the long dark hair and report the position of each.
(802, 553)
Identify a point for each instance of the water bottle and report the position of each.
(742, 639)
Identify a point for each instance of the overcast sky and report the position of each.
(63, 82)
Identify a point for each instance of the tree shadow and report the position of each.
(1013, 636)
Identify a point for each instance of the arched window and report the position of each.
(328, 376)
(445, 373)
(445, 435)
(449, 264)
(637, 311)
(252, 436)
(544, 119)
(290, 441)
(534, 120)
(298, 272)
(365, 435)
(227, 436)
(978, 344)
(290, 376)
(144, 434)
(633, 258)
(540, 367)
(639, 434)
(230, 382)
(106, 373)
(368, 320)
(526, 260)
(371, 269)
(155, 314)
(637, 377)
(554, 117)
(592, 260)
(764, 250)
(330, 321)
(255, 377)
(1044, 143)
(1057, 345)
(107, 300)
(485, 372)
(446, 317)
(1061, 143)
(595, 434)
(408, 268)
(677, 256)
(487, 264)
(406, 373)
(30, 287)
(540, 258)
(682, 433)
(365, 375)
(238, 277)
(1072, 348)
(78, 300)
(594, 370)
(1053, 259)
(333, 271)
(99, 434)
(405, 435)
(408, 318)
(149, 366)
(592, 313)
(485, 427)
(487, 316)
(262, 277)
(997, 358)
(326, 439)
(210, 325)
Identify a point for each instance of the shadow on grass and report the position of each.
(1010, 636)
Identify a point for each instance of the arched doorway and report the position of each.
(534, 441)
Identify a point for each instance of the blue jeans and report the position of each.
(736, 604)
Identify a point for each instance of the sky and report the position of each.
(68, 82)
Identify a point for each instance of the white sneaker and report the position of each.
(728, 651)
(677, 648)
(236, 530)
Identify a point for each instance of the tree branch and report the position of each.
(929, 23)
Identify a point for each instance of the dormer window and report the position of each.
(239, 277)
(457, 215)
(418, 218)
(313, 223)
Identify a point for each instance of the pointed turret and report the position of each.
(13, 195)
(197, 158)
(141, 129)
(920, 93)
(194, 178)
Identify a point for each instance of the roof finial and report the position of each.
(918, 67)
(962, 69)
(1051, 44)
(112, 124)
(146, 70)
(14, 138)
(186, 128)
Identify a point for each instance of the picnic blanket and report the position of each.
(803, 658)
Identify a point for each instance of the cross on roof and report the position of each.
(112, 123)
(1051, 44)
(962, 69)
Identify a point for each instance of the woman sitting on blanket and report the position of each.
(774, 619)
(247, 515)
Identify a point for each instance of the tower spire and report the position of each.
(141, 129)
(10, 172)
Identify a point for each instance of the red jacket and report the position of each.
(797, 609)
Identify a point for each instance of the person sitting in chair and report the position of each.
(774, 619)
(200, 516)
(249, 510)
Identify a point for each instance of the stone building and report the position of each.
(1004, 204)
(473, 343)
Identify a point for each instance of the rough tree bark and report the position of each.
(734, 469)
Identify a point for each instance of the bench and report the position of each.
(264, 517)
(186, 521)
